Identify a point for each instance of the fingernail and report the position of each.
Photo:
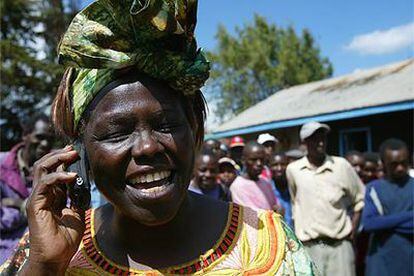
(72, 174)
(68, 147)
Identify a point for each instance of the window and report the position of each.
(355, 139)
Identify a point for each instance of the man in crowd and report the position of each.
(370, 168)
(250, 189)
(356, 159)
(323, 189)
(205, 177)
(212, 145)
(227, 171)
(388, 214)
(269, 143)
(16, 180)
(365, 165)
(278, 164)
(236, 150)
(224, 151)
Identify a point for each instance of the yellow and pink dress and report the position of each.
(254, 242)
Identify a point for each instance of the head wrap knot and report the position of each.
(154, 36)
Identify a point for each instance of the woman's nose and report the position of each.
(145, 144)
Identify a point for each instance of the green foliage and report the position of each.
(259, 60)
(30, 32)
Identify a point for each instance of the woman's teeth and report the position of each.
(152, 186)
(155, 191)
(150, 177)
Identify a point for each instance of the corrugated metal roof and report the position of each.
(368, 88)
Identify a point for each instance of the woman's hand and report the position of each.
(55, 230)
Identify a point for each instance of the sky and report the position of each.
(353, 34)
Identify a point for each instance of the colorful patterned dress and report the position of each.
(253, 243)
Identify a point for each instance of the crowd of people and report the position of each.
(354, 214)
(174, 203)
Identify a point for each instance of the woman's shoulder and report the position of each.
(256, 241)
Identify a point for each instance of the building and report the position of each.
(363, 109)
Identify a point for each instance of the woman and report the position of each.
(134, 102)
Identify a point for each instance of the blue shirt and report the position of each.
(388, 216)
(218, 192)
(284, 200)
(214, 193)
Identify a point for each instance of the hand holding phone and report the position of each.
(55, 230)
(80, 191)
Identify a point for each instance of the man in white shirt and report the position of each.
(323, 189)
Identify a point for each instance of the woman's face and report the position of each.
(141, 150)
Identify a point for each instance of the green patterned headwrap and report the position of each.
(154, 36)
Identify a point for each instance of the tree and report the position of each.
(30, 32)
(259, 60)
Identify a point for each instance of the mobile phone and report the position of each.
(80, 191)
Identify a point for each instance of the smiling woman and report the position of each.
(137, 140)
(132, 99)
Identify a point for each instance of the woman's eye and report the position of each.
(166, 128)
(116, 138)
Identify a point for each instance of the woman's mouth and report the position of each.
(152, 185)
(150, 177)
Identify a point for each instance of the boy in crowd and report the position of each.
(212, 145)
(356, 159)
(205, 177)
(278, 164)
(370, 168)
(236, 150)
(388, 214)
(250, 189)
(368, 172)
(227, 171)
(269, 143)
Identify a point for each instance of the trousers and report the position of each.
(333, 259)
